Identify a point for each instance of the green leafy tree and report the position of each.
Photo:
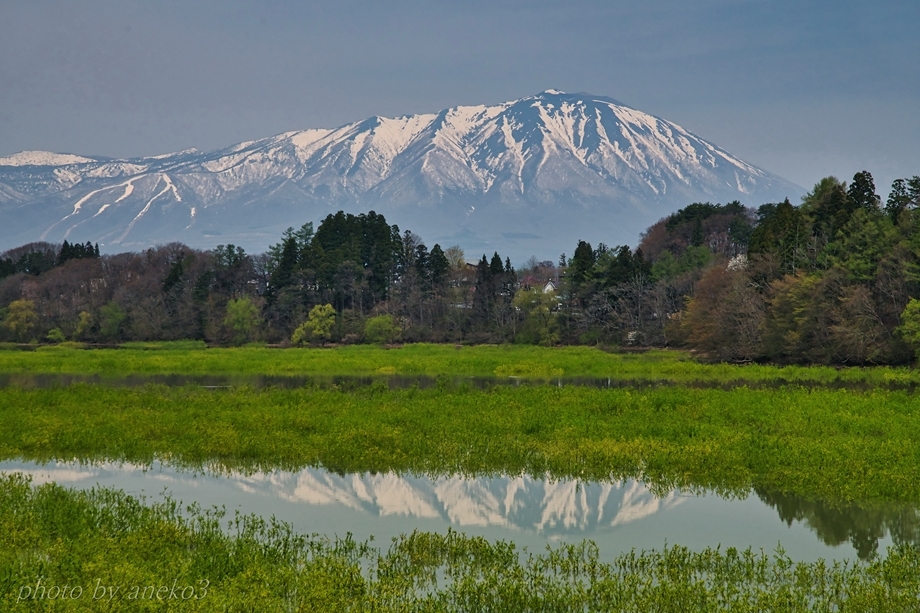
(21, 319)
(111, 317)
(242, 319)
(538, 308)
(318, 326)
(381, 329)
(84, 325)
(864, 241)
(910, 325)
(667, 266)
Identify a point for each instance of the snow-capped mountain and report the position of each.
(527, 177)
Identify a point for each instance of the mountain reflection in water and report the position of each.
(542, 505)
(617, 515)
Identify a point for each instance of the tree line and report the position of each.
(832, 280)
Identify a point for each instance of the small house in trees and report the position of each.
(549, 287)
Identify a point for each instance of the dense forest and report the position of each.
(832, 280)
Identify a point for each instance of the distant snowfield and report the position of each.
(43, 158)
(548, 170)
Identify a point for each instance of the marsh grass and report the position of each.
(107, 538)
(831, 445)
(545, 363)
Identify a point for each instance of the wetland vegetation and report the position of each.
(103, 550)
(840, 459)
(824, 444)
(430, 360)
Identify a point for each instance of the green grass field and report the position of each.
(815, 443)
(428, 360)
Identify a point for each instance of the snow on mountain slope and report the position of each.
(42, 158)
(530, 176)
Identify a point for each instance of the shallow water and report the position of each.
(618, 516)
(53, 380)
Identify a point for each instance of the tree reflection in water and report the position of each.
(860, 524)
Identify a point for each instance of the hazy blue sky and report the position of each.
(801, 88)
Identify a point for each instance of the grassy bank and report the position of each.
(816, 443)
(427, 360)
(62, 550)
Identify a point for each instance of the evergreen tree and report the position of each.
(302, 239)
(829, 206)
(862, 192)
(423, 266)
(898, 200)
(496, 267)
(782, 232)
(483, 291)
(904, 195)
(438, 265)
(174, 277)
(284, 271)
(7, 267)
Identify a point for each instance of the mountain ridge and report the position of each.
(554, 166)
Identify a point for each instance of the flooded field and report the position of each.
(459, 475)
(617, 516)
(396, 382)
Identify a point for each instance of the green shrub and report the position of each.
(381, 329)
(317, 327)
(55, 335)
(242, 319)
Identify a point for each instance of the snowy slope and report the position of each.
(530, 176)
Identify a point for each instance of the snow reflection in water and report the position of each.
(532, 512)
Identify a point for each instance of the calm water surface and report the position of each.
(618, 516)
(53, 380)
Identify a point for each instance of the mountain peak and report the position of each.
(525, 177)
